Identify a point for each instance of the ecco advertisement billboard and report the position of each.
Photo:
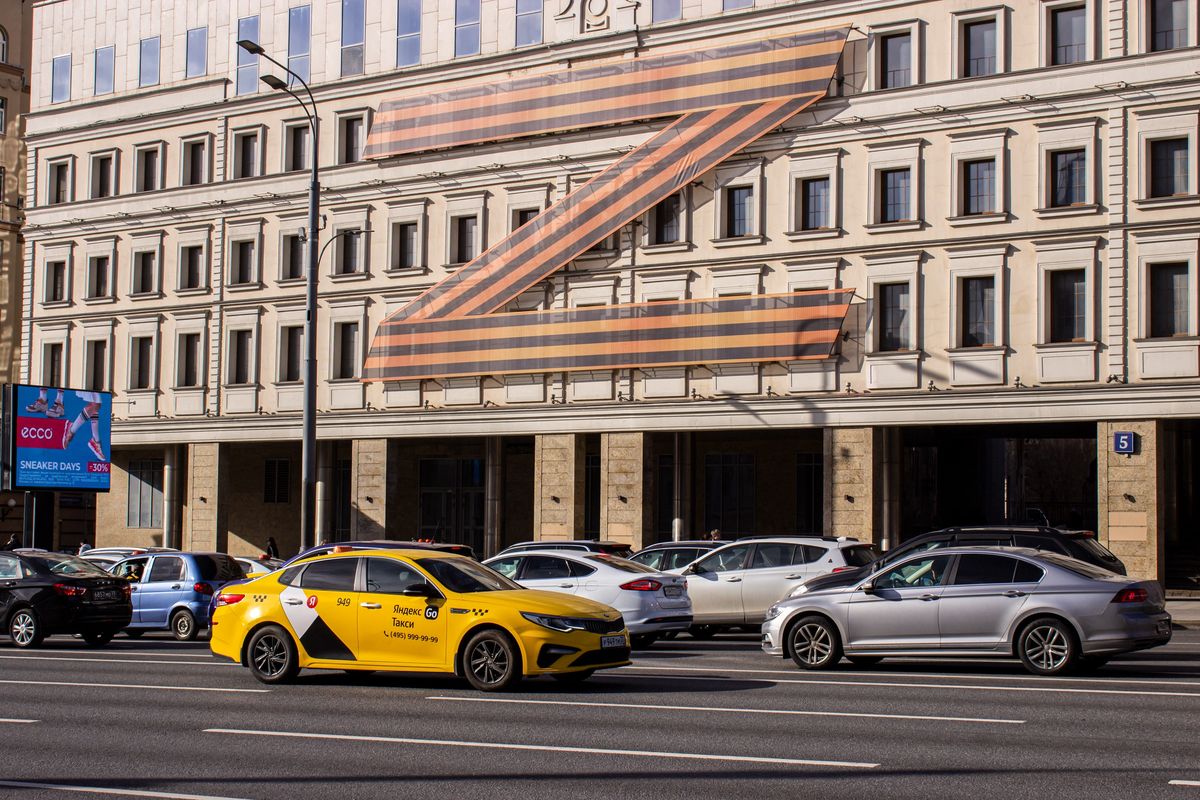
(58, 439)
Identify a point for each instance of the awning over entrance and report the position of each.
(729, 98)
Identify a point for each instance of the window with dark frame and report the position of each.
(1068, 305)
(405, 247)
(243, 271)
(353, 37)
(293, 257)
(523, 216)
(245, 155)
(141, 362)
(195, 162)
(189, 360)
(347, 365)
(1169, 167)
(666, 219)
(1169, 300)
(1068, 35)
(292, 346)
(144, 498)
(96, 366)
(739, 211)
(810, 493)
(1068, 173)
(814, 204)
(102, 176)
(277, 478)
(298, 139)
(895, 61)
(978, 311)
(145, 267)
(52, 364)
(1168, 24)
(348, 252)
(56, 282)
(147, 169)
(895, 195)
(979, 186)
(979, 48)
(98, 275)
(241, 354)
(464, 230)
(60, 183)
(191, 266)
(351, 140)
(894, 316)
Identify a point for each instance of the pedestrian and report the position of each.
(13, 542)
(272, 548)
(83, 548)
(714, 535)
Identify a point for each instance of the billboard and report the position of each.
(58, 439)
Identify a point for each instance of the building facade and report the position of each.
(1010, 190)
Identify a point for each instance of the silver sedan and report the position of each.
(1054, 613)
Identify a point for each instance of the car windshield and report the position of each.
(69, 565)
(623, 564)
(622, 550)
(860, 555)
(464, 576)
(1095, 548)
(1074, 565)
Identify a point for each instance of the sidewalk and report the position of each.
(1184, 612)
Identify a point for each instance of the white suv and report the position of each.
(737, 583)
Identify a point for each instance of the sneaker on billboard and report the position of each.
(56, 411)
(68, 435)
(94, 446)
(37, 407)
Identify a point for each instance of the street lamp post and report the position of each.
(308, 446)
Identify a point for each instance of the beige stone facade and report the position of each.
(960, 315)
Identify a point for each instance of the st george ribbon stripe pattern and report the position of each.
(718, 121)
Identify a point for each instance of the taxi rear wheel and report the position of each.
(491, 661)
(271, 655)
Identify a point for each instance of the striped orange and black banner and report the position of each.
(801, 325)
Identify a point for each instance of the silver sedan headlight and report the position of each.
(772, 612)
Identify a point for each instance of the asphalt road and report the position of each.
(156, 718)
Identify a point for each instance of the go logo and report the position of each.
(431, 612)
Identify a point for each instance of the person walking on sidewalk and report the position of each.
(272, 548)
(13, 542)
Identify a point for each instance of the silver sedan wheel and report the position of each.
(489, 661)
(812, 644)
(24, 629)
(1046, 646)
(270, 656)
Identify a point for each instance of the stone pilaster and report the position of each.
(622, 487)
(1129, 494)
(558, 486)
(850, 482)
(204, 517)
(369, 475)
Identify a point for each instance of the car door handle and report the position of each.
(1014, 593)
(792, 577)
(370, 605)
(929, 597)
(294, 602)
(566, 585)
(176, 586)
(733, 580)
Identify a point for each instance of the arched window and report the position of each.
(3, 46)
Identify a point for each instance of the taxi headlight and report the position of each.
(772, 612)
(561, 624)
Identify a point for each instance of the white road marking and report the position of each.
(106, 790)
(136, 686)
(18, 721)
(711, 709)
(1184, 783)
(546, 748)
(895, 684)
(121, 660)
(937, 676)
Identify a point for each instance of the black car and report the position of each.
(42, 594)
(1080, 545)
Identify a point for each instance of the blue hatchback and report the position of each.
(172, 591)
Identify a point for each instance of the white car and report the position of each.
(734, 585)
(257, 567)
(651, 602)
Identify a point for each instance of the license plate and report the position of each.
(673, 591)
(105, 594)
(612, 641)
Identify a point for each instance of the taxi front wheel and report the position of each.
(491, 661)
(272, 655)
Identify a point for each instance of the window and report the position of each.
(96, 365)
(466, 27)
(1068, 35)
(141, 362)
(1168, 167)
(247, 63)
(195, 162)
(335, 575)
(523, 216)
(105, 58)
(299, 42)
(353, 37)
(188, 360)
(894, 310)
(98, 277)
(60, 79)
(293, 257)
(148, 62)
(166, 568)
(191, 267)
(3, 114)
(979, 186)
(103, 175)
(386, 576)
(727, 559)
(243, 270)
(405, 246)
(529, 22)
(739, 211)
(979, 48)
(894, 195)
(346, 362)
(978, 307)
(147, 164)
(733, 5)
(814, 204)
(291, 346)
(241, 357)
(921, 572)
(810, 493)
(348, 253)
(665, 10)
(1168, 300)
(895, 61)
(1068, 171)
(56, 282)
(666, 220)
(1168, 24)
(52, 364)
(144, 506)
(145, 269)
(277, 476)
(980, 569)
(1068, 305)
(3, 46)
(197, 53)
(408, 32)
(463, 232)
(245, 154)
(729, 493)
(60, 183)
(296, 143)
(544, 568)
(350, 139)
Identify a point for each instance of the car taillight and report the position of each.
(842, 569)
(642, 585)
(228, 599)
(202, 588)
(1134, 594)
(67, 590)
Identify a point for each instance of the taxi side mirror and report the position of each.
(419, 590)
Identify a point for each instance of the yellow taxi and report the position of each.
(412, 611)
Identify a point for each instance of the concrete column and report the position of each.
(493, 494)
(622, 487)
(369, 474)
(1130, 497)
(170, 496)
(850, 456)
(558, 468)
(204, 522)
(324, 505)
